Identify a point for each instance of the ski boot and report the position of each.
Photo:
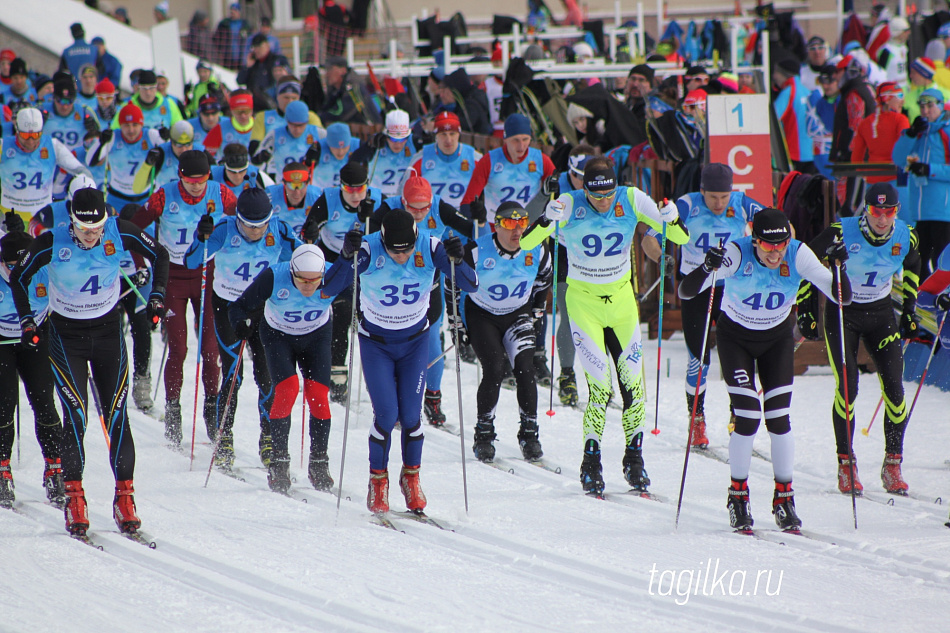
(53, 483)
(891, 475)
(541, 372)
(278, 473)
(783, 507)
(6, 485)
(338, 376)
(633, 470)
(844, 476)
(142, 392)
(433, 407)
(77, 515)
(209, 412)
(173, 422)
(265, 447)
(467, 353)
(699, 439)
(740, 510)
(528, 439)
(567, 387)
(123, 508)
(592, 478)
(224, 457)
(412, 489)
(319, 471)
(484, 447)
(378, 498)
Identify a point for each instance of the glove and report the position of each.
(165, 133)
(90, 124)
(837, 252)
(310, 232)
(919, 126)
(242, 329)
(478, 211)
(140, 277)
(943, 301)
(13, 222)
(29, 334)
(155, 310)
(453, 248)
(669, 264)
(668, 212)
(808, 324)
(714, 257)
(205, 227)
(920, 169)
(537, 314)
(550, 186)
(154, 155)
(366, 209)
(262, 157)
(555, 211)
(351, 243)
(456, 325)
(377, 141)
(312, 157)
(105, 136)
(909, 325)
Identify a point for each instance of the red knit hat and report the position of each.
(105, 87)
(241, 100)
(7, 54)
(417, 191)
(695, 98)
(447, 122)
(131, 113)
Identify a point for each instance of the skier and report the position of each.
(31, 364)
(295, 141)
(762, 273)
(715, 213)
(390, 152)
(209, 114)
(233, 129)
(236, 171)
(597, 226)
(158, 111)
(161, 162)
(334, 153)
(175, 209)
(242, 247)
(83, 261)
(295, 332)
(395, 266)
(499, 320)
(294, 196)
(880, 246)
(66, 122)
(447, 164)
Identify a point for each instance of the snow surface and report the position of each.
(533, 553)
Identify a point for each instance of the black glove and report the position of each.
(262, 157)
(205, 227)
(312, 157)
(453, 248)
(105, 136)
(455, 323)
(837, 251)
(377, 141)
(920, 169)
(366, 209)
(310, 232)
(242, 329)
(155, 310)
(919, 125)
(808, 324)
(714, 257)
(154, 155)
(550, 186)
(29, 334)
(165, 133)
(351, 243)
(90, 124)
(140, 277)
(13, 222)
(478, 211)
(909, 325)
(943, 301)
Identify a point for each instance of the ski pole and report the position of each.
(554, 250)
(161, 367)
(227, 404)
(699, 380)
(440, 357)
(933, 350)
(359, 370)
(349, 372)
(659, 338)
(102, 420)
(18, 426)
(201, 331)
(847, 404)
(867, 430)
(303, 421)
(649, 290)
(458, 382)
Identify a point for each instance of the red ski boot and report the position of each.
(77, 517)
(378, 498)
(123, 507)
(891, 474)
(412, 489)
(53, 482)
(844, 476)
(699, 439)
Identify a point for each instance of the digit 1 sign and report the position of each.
(739, 137)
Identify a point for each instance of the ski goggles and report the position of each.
(894, 94)
(196, 180)
(601, 195)
(32, 135)
(928, 101)
(771, 247)
(65, 101)
(882, 212)
(307, 281)
(255, 225)
(423, 209)
(353, 188)
(513, 222)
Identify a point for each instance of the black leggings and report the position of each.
(694, 320)
(342, 316)
(74, 345)
(934, 237)
(32, 366)
(873, 323)
(141, 334)
(496, 339)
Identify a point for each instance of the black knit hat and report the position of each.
(354, 174)
(716, 177)
(18, 67)
(13, 245)
(599, 177)
(147, 78)
(193, 163)
(254, 207)
(511, 209)
(881, 194)
(790, 66)
(399, 230)
(771, 226)
(643, 69)
(88, 208)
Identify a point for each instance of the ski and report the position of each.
(541, 464)
(449, 430)
(140, 538)
(382, 519)
(233, 473)
(711, 453)
(493, 464)
(85, 538)
(646, 494)
(597, 495)
(421, 517)
(762, 456)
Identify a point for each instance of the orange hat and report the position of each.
(447, 122)
(105, 87)
(241, 101)
(131, 113)
(417, 191)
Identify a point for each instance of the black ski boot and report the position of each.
(54, 483)
(633, 470)
(319, 471)
(740, 510)
(278, 473)
(592, 479)
(432, 405)
(173, 423)
(541, 371)
(209, 412)
(567, 387)
(483, 447)
(528, 439)
(338, 377)
(783, 507)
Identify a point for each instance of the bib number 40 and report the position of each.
(773, 301)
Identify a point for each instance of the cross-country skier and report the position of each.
(294, 195)
(389, 152)
(762, 274)
(295, 141)
(880, 246)
(83, 262)
(295, 332)
(333, 154)
(447, 164)
(396, 267)
(161, 162)
(597, 225)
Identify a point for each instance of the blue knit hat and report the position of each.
(517, 124)
(254, 207)
(338, 135)
(297, 113)
(933, 93)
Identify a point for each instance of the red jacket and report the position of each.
(875, 139)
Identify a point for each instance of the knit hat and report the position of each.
(643, 69)
(182, 133)
(18, 67)
(899, 24)
(353, 174)
(338, 135)
(576, 165)
(417, 191)
(517, 124)
(236, 157)
(933, 93)
(203, 63)
(254, 207)
(511, 209)
(881, 194)
(7, 54)
(399, 230)
(716, 177)
(29, 120)
(771, 226)
(297, 113)
(790, 66)
(77, 31)
(105, 87)
(14, 245)
(696, 98)
(193, 163)
(599, 177)
(397, 125)
(88, 208)
(307, 259)
(925, 66)
(288, 83)
(575, 112)
(209, 104)
(81, 181)
(147, 78)
(131, 113)
(98, 39)
(241, 100)
(446, 121)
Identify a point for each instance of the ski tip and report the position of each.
(744, 531)
(795, 531)
(597, 495)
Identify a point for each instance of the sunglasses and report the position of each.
(882, 212)
(353, 188)
(602, 195)
(295, 185)
(927, 101)
(769, 247)
(65, 101)
(196, 180)
(308, 281)
(32, 135)
(892, 95)
(511, 223)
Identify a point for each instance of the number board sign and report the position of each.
(739, 137)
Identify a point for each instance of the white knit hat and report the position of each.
(307, 259)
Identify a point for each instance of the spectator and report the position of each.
(79, 53)
(229, 38)
(345, 101)
(198, 38)
(922, 72)
(207, 84)
(696, 77)
(267, 31)
(821, 117)
(817, 58)
(258, 74)
(791, 107)
(893, 55)
(157, 111)
(109, 67)
(856, 104)
(880, 29)
(21, 91)
(639, 84)
(878, 133)
(461, 96)
(122, 15)
(161, 12)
